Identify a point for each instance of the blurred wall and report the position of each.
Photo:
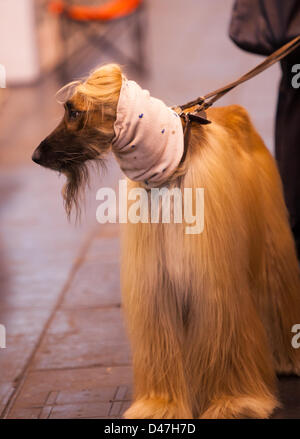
(18, 44)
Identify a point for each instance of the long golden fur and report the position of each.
(209, 316)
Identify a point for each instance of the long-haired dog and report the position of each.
(209, 315)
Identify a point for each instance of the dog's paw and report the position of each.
(156, 408)
(288, 367)
(288, 370)
(240, 408)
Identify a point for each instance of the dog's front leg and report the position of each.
(154, 314)
(160, 380)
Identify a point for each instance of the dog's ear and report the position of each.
(102, 87)
(103, 84)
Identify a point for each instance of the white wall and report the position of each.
(18, 45)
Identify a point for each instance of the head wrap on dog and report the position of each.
(148, 141)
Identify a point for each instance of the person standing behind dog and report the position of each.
(261, 27)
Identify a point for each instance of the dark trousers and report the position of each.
(287, 142)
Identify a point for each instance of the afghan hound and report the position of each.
(209, 315)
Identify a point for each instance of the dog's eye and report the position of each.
(73, 114)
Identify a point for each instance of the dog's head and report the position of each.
(85, 132)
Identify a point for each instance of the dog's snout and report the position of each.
(36, 156)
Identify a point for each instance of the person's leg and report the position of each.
(287, 143)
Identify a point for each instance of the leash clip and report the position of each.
(198, 115)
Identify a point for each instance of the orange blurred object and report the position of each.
(108, 11)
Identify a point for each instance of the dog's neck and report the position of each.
(148, 141)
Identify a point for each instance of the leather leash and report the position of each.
(202, 103)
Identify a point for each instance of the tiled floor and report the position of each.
(67, 353)
(81, 367)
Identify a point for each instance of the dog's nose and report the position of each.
(36, 156)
